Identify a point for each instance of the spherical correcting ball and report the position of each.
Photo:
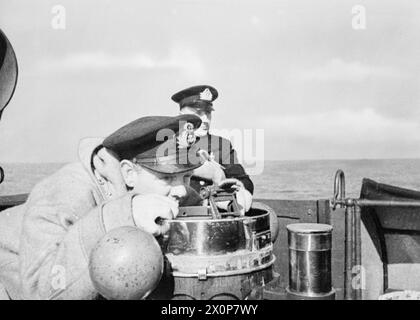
(126, 264)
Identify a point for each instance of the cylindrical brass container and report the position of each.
(310, 261)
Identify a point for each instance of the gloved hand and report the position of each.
(151, 212)
(210, 169)
(243, 196)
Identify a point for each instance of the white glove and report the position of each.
(210, 169)
(243, 196)
(151, 212)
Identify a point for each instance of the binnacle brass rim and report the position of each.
(210, 219)
(220, 266)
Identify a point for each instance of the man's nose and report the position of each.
(178, 191)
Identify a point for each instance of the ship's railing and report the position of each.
(353, 241)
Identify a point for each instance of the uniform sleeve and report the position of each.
(233, 169)
(62, 224)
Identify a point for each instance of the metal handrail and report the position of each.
(353, 242)
(339, 190)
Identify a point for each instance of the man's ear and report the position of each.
(129, 172)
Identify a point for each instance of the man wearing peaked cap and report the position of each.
(137, 176)
(222, 163)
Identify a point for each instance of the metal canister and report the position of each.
(310, 261)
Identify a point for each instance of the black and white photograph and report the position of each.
(248, 151)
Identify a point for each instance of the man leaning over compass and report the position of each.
(221, 165)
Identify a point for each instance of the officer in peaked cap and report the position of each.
(136, 177)
(157, 149)
(222, 164)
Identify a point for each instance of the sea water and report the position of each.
(303, 179)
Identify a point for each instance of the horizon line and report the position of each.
(271, 160)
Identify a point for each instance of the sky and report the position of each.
(297, 73)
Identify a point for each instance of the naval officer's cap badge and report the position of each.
(186, 137)
(206, 95)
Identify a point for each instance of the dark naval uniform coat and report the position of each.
(225, 155)
(202, 97)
